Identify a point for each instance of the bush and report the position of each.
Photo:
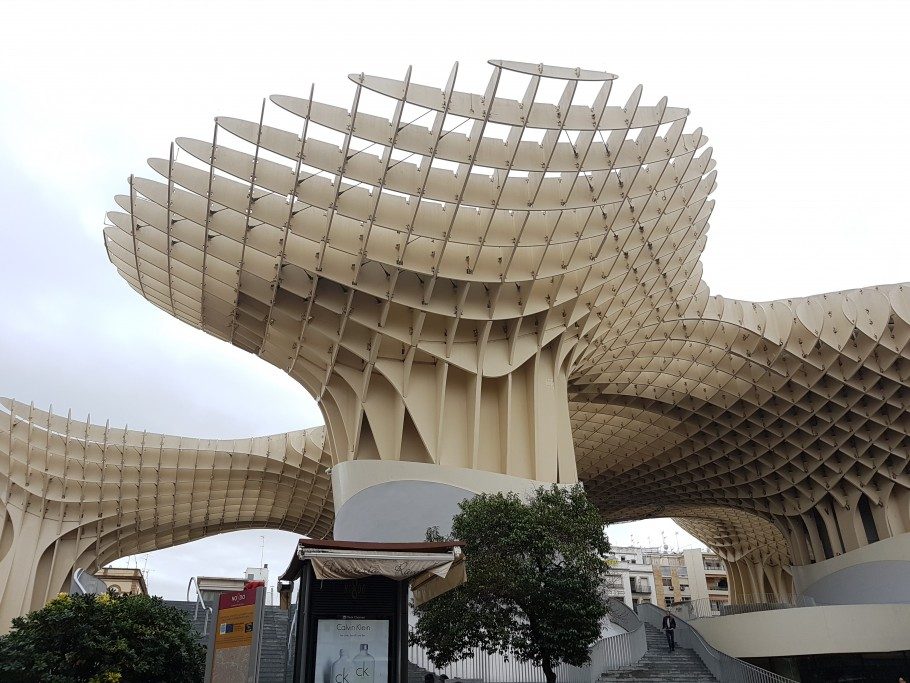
(102, 639)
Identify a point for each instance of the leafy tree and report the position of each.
(535, 576)
(102, 639)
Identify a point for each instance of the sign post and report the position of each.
(236, 639)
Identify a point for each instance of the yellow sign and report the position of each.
(235, 627)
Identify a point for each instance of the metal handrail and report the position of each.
(199, 603)
(609, 654)
(606, 654)
(704, 608)
(623, 615)
(86, 583)
(292, 630)
(76, 575)
(721, 665)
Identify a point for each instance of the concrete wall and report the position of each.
(398, 511)
(878, 573)
(810, 630)
(396, 501)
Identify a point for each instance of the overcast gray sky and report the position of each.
(803, 102)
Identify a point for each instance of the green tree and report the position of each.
(102, 639)
(535, 576)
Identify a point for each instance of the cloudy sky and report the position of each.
(804, 104)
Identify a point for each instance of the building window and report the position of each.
(683, 572)
(683, 586)
(668, 601)
(668, 583)
(665, 571)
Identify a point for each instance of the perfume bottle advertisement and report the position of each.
(352, 651)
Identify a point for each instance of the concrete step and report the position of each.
(274, 654)
(416, 673)
(659, 665)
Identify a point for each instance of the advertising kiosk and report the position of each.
(352, 610)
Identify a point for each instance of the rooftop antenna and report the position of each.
(262, 551)
(663, 541)
(677, 540)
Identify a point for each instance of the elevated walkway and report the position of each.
(825, 629)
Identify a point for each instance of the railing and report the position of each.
(491, 668)
(609, 654)
(199, 603)
(77, 583)
(87, 584)
(724, 667)
(606, 654)
(292, 631)
(762, 602)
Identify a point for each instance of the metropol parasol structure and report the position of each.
(483, 292)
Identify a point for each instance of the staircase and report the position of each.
(416, 673)
(274, 638)
(274, 645)
(659, 665)
(189, 608)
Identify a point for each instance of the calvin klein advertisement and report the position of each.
(352, 651)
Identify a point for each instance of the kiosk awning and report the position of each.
(432, 568)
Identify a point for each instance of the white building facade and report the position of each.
(656, 576)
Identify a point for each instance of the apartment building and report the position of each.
(660, 577)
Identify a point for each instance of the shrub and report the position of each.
(102, 639)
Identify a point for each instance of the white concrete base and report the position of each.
(809, 630)
(396, 501)
(878, 573)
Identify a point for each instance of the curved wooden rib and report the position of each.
(74, 494)
(441, 276)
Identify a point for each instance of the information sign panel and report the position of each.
(233, 653)
(352, 651)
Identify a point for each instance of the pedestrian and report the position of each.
(429, 678)
(669, 625)
(443, 678)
